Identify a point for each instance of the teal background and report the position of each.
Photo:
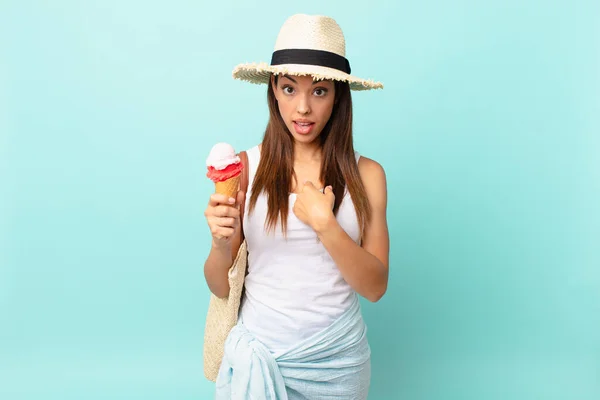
(488, 128)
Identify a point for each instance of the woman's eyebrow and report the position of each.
(293, 80)
(290, 78)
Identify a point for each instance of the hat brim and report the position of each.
(260, 73)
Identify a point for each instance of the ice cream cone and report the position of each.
(229, 187)
(224, 169)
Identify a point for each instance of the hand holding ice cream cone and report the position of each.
(225, 170)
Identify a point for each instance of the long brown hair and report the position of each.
(338, 166)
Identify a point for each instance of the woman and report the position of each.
(314, 219)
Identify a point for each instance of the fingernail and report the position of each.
(231, 200)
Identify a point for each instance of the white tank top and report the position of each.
(293, 287)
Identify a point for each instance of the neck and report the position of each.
(307, 152)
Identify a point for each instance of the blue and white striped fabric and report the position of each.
(333, 364)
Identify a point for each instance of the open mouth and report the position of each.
(303, 128)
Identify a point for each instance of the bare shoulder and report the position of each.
(374, 179)
(370, 169)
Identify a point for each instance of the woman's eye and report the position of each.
(288, 90)
(320, 92)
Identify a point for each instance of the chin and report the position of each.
(305, 138)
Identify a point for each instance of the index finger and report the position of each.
(218, 198)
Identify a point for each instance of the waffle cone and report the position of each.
(229, 187)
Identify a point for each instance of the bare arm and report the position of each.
(364, 267)
(224, 223)
(216, 266)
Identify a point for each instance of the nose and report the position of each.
(303, 105)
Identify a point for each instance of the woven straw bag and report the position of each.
(222, 314)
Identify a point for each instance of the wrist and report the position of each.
(326, 226)
(221, 247)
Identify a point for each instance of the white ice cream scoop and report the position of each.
(221, 156)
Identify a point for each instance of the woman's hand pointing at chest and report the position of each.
(314, 208)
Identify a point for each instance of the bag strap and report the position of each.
(243, 187)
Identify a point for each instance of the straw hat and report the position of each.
(307, 45)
